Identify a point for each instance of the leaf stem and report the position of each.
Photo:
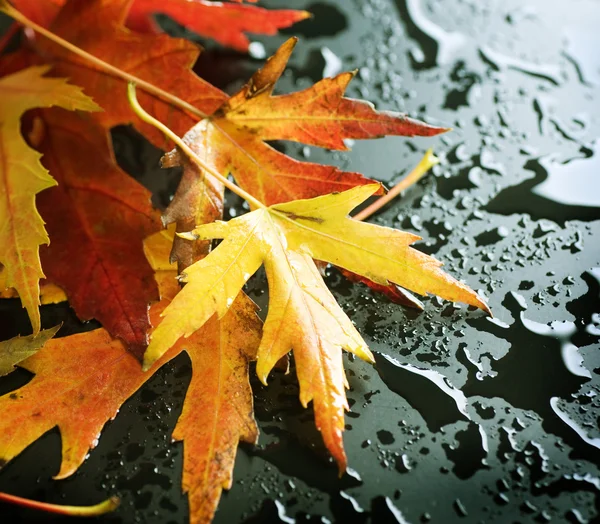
(149, 119)
(72, 511)
(101, 64)
(427, 162)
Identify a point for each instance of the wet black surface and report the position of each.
(464, 418)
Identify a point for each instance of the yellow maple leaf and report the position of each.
(303, 315)
(22, 176)
(68, 368)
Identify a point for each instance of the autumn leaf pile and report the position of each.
(74, 226)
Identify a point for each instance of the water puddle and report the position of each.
(558, 191)
(470, 452)
(573, 184)
(574, 425)
(437, 47)
(543, 365)
(296, 461)
(426, 390)
(439, 403)
(272, 510)
(346, 508)
(586, 309)
(467, 90)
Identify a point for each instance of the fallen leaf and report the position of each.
(234, 139)
(303, 315)
(214, 430)
(19, 348)
(97, 217)
(198, 200)
(322, 228)
(82, 380)
(42, 12)
(22, 177)
(224, 22)
(218, 408)
(141, 55)
(220, 384)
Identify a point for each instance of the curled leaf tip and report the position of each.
(431, 130)
(485, 307)
(146, 364)
(262, 376)
(480, 302)
(114, 502)
(369, 357)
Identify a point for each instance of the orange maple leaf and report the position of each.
(234, 140)
(82, 380)
(238, 131)
(224, 22)
(141, 55)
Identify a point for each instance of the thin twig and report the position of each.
(101, 64)
(149, 119)
(427, 162)
(72, 511)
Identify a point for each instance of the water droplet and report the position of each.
(257, 50)
(403, 464)
(558, 191)
(460, 508)
(384, 510)
(542, 364)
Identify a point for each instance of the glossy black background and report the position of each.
(518, 82)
